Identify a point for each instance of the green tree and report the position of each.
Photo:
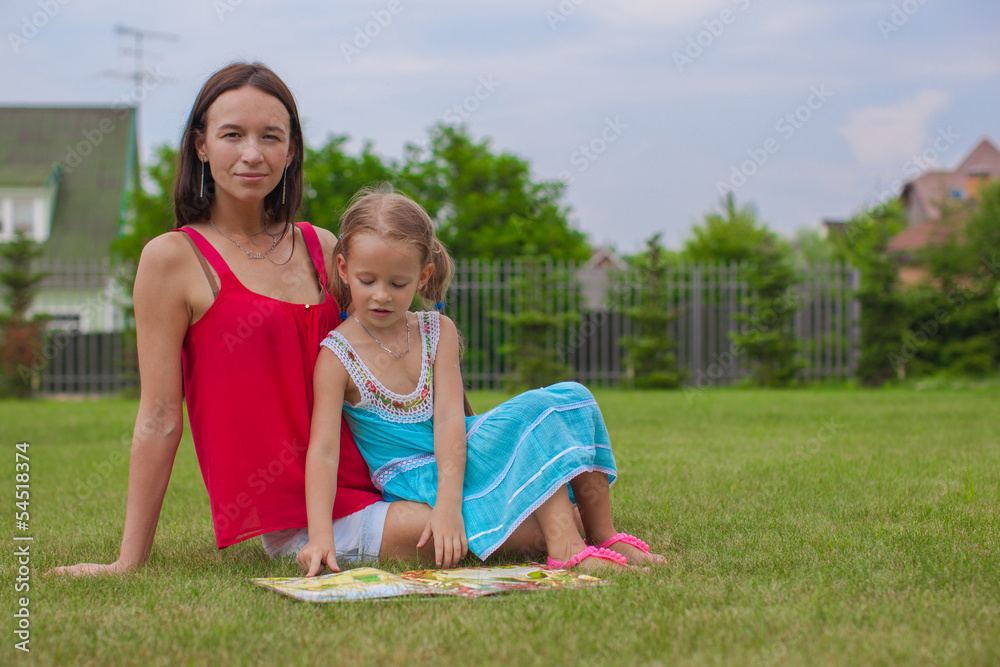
(883, 309)
(809, 248)
(21, 336)
(984, 227)
(984, 235)
(954, 326)
(536, 324)
(768, 339)
(487, 204)
(152, 213)
(652, 361)
(732, 235)
(333, 177)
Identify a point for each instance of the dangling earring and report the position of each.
(283, 179)
(202, 195)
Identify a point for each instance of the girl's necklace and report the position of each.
(251, 255)
(395, 355)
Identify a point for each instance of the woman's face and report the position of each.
(247, 143)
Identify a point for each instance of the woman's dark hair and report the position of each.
(189, 206)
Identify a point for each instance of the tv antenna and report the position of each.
(138, 51)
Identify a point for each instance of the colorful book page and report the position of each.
(366, 583)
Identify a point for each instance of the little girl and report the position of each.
(395, 375)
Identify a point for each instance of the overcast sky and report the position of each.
(649, 109)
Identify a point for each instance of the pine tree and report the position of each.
(22, 336)
(536, 325)
(652, 362)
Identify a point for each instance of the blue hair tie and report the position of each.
(343, 316)
(439, 305)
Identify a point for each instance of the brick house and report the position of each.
(927, 200)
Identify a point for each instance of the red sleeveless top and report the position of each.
(248, 379)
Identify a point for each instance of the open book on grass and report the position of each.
(365, 583)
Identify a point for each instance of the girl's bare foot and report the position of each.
(638, 556)
(635, 550)
(592, 560)
(598, 566)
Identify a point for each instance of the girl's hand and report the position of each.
(448, 528)
(315, 555)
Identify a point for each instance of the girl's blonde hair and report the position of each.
(394, 217)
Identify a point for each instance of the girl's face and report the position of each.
(383, 278)
(246, 142)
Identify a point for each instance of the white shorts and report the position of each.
(358, 536)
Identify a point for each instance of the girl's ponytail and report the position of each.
(436, 288)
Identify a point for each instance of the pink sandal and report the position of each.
(627, 539)
(588, 552)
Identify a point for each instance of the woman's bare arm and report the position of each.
(163, 312)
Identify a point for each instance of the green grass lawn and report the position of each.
(822, 526)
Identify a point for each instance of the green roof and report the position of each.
(99, 156)
(27, 176)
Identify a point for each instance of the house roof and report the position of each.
(931, 233)
(97, 148)
(932, 188)
(27, 175)
(930, 191)
(984, 159)
(604, 257)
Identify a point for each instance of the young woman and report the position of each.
(230, 309)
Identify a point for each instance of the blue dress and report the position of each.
(518, 454)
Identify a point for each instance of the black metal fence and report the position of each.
(707, 301)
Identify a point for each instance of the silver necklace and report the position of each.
(251, 255)
(395, 355)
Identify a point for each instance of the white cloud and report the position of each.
(886, 134)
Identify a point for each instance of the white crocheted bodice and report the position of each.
(418, 405)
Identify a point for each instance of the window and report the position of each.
(24, 215)
(26, 211)
(68, 322)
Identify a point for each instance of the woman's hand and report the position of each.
(447, 527)
(315, 555)
(92, 569)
